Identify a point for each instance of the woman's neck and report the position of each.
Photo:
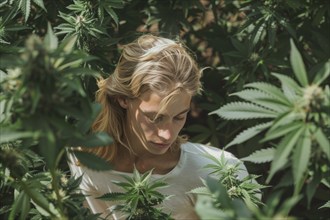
(162, 164)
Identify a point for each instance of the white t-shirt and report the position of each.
(185, 176)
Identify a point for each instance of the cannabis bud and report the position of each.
(313, 98)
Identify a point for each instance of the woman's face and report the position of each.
(152, 133)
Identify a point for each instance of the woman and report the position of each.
(145, 103)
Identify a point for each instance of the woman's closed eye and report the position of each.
(180, 118)
(160, 119)
(157, 119)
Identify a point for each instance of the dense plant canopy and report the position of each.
(266, 98)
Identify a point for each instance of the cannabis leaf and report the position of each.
(227, 174)
(296, 116)
(261, 156)
(139, 197)
(25, 6)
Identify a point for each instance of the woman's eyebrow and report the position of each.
(154, 113)
(184, 111)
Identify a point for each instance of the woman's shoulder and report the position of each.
(196, 149)
(199, 156)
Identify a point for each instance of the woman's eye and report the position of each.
(160, 119)
(180, 118)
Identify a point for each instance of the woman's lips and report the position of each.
(161, 145)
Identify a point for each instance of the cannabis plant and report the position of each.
(226, 176)
(295, 121)
(44, 108)
(218, 204)
(139, 197)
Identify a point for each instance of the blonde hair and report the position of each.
(151, 63)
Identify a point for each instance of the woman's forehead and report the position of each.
(151, 102)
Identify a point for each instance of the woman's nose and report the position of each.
(165, 134)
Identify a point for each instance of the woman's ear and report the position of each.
(123, 102)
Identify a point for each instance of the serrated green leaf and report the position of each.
(271, 90)
(323, 142)
(157, 185)
(247, 186)
(261, 156)
(257, 32)
(200, 190)
(125, 185)
(146, 176)
(290, 88)
(298, 65)
(285, 119)
(41, 4)
(244, 110)
(249, 133)
(136, 175)
(216, 162)
(300, 159)
(262, 99)
(78, 6)
(26, 8)
(74, 182)
(288, 82)
(112, 13)
(92, 161)
(283, 151)
(282, 130)
(322, 74)
(100, 13)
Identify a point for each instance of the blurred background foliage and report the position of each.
(48, 85)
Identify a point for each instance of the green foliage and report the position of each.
(225, 177)
(25, 6)
(244, 44)
(207, 206)
(43, 101)
(139, 197)
(300, 121)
